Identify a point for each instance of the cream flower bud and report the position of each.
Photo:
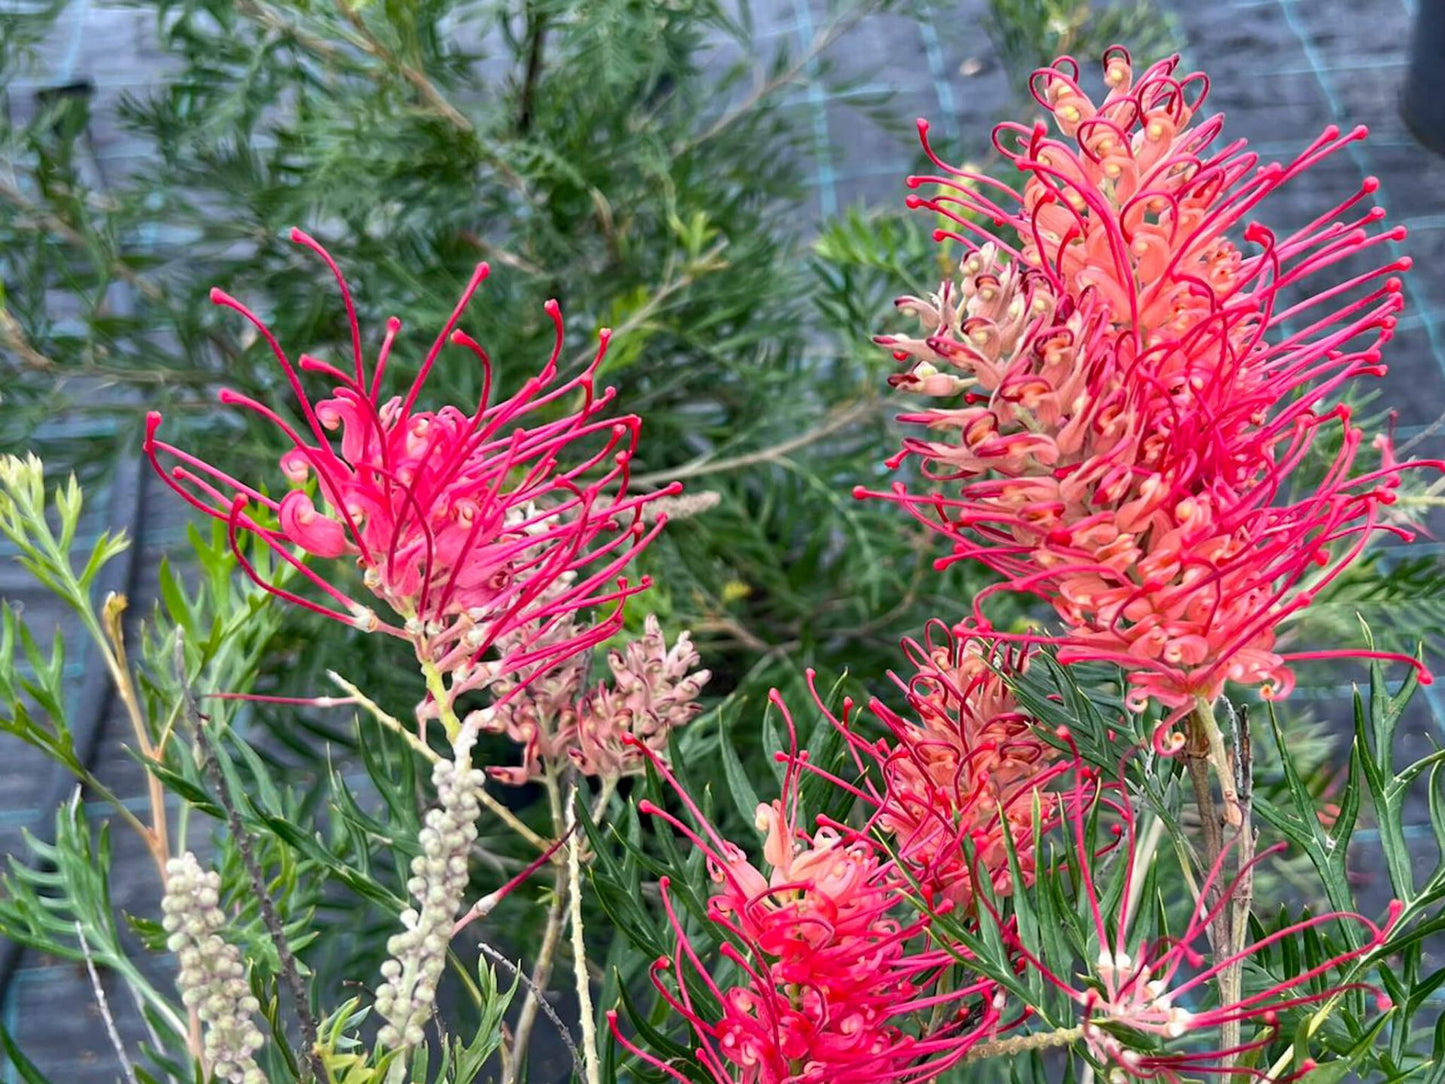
(212, 974)
(407, 998)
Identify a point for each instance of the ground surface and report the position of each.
(1282, 69)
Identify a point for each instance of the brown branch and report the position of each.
(775, 453)
(259, 13)
(113, 652)
(52, 224)
(365, 40)
(13, 336)
(104, 1006)
(56, 225)
(1230, 929)
(541, 976)
(587, 1015)
(110, 638)
(547, 1010)
(1231, 978)
(708, 261)
(373, 46)
(497, 254)
(1196, 760)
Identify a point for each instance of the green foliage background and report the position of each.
(606, 154)
(591, 151)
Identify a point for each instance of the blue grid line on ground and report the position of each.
(824, 179)
(1359, 151)
(99, 508)
(10, 1013)
(29, 817)
(942, 88)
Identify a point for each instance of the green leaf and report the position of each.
(19, 1062)
(1327, 849)
(1374, 747)
(745, 798)
(1436, 1065)
(466, 1060)
(307, 845)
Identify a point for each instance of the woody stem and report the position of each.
(1231, 979)
(1228, 931)
(1219, 758)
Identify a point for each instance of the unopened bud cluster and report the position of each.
(438, 879)
(654, 691)
(212, 980)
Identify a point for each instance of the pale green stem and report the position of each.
(436, 685)
(1143, 859)
(599, 807)
(391, 722)
(1219, 758)
(1231, 928)
(551, 938)
(1311, 1026)
(579, 945)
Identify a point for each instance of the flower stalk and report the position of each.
(586, 1013)
(1024, 1044)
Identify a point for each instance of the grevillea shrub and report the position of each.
(1042, 851)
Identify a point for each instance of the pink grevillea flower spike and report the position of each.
(1157, 990)
(1136, 381)
(961, 772)
(471, 525)
(828, 974)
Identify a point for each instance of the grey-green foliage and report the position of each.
(56, 897)
(332, 852)
(634, 160)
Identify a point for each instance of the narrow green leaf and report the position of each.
(745, 798)
(19, 1062)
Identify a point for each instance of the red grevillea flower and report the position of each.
(1135, 374)
(468, 523)
(960, 774)
(828, 975)
(1159, 988)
